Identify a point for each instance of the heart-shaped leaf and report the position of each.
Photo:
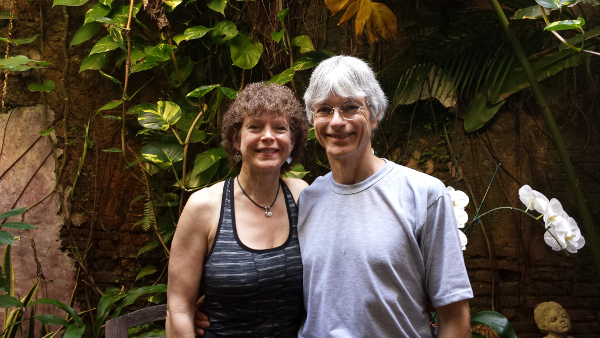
(244, 52)
(163, 154)
(166, 114)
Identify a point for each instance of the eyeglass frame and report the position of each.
(330, 116)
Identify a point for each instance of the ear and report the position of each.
(236, 140)
(373, 124)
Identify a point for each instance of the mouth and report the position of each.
(267, 151)
(340, 136)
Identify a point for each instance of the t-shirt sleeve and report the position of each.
(446, 276)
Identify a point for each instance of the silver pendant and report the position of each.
(268, 212)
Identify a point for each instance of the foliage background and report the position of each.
(101, 229)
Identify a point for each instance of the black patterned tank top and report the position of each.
(252, 293)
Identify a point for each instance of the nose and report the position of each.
(267, 133)
(337, 120)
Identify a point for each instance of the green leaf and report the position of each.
(147, 270)
(479, 112)
(21, 41)
(52, 320)
(296, 171)
(112, 150)
(166, 114)
(17, 225)
(206, 159)
(9, 301)
(69, 2)
(111, 117)
(47, 86)
(230, 93)
(94, 62)
(110, 77)
(311, 133)
(98, 11)
(111, 296)
(171, 4)
(555, 4)
(106, 2)
(120, 14)
(283, 77)
(106, 44)
(19, 63)
(153, 333)
(565, 24)
(531, 12)
(6, 16)
(578, 39)
(141, 107)
(115, 33)
(158, 54)
(201, 91)
(137, 198)
(542, 67)
(60, 305)
(85, 32)
(197, 135)
(6, 238)
(224, 31)
(282, 14)
(496, 321)
(217, 5)
(192, 33)
(277, 36)
(12, 213)
(149, 246)
(311, 59)
(47, 131)
(244, 53)
(74, 331)
(134, 294)
(304, 42)
(109, 106)
(163, 154)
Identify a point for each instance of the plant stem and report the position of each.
(588, 226)
(127, 30)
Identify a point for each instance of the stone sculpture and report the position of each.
(552, 320)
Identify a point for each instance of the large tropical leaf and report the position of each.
(163, 154)
(244, 52)
(496, 321)
(166, 114)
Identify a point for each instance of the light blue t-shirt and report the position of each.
(374, 252)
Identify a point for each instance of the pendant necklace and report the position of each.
(268, 212)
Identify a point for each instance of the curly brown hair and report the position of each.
(274, 100)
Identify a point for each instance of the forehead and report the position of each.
(265, 117)
(557, 312)
(336, 99)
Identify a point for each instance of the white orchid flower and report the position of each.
(556, 239)
(573, 237)
(533, 199)
(463, 239)
(459, 198)
(552, 212)
(461, 217)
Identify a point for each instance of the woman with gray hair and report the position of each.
(378, 240)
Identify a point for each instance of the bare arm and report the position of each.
(454, 320)
(189, 248)
(296, 186)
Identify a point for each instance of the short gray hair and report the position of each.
(345, 76)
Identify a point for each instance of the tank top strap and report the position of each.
(292, 208)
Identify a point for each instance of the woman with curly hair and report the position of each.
(236, 241)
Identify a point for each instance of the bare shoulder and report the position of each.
(296, 186)
(201, 209)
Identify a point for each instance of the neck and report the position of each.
(261, 186)
(352, 170)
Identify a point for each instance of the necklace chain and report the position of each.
(268, 212)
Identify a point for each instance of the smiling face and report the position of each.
(345, 139)
(557, 321)
(265, 142)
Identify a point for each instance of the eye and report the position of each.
(553, 319)
(323, 110)
(252, 127)
(351, 107)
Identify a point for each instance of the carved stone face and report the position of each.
(557, 321)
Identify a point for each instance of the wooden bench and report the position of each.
(117, 327)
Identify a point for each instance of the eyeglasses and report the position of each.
(348, 112)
